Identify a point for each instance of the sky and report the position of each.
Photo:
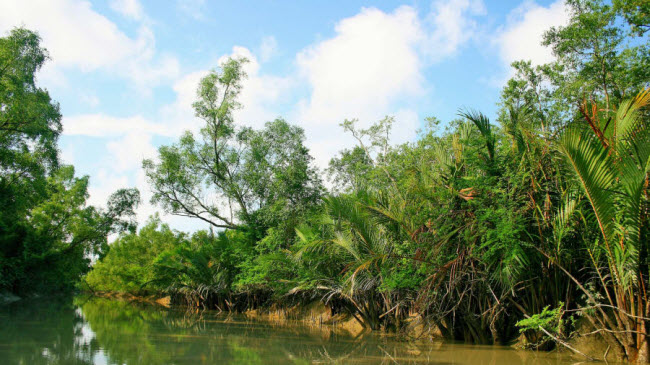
(125, 71)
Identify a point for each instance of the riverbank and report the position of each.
(89, 330)
(316, 314)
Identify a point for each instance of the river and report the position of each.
(105, 331)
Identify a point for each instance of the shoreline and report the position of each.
(318, 315)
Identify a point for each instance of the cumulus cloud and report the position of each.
(453, 25)
(370, 63)
(128, 152)
(521, 37)
(374, 63)
(78, 37)
(371, 60)
(128, 8)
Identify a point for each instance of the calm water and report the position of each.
(102, 331)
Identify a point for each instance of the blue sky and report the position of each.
(125, 71)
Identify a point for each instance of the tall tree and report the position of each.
(47, 232)
(611, 163)
(230, 176)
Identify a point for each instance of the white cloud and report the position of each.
(371, 63)
(128, 152)
(268, 48)
(144, 68)
(74, 34)
(371, 60)
(78, 37)
(374, 66)
(521, 37)
(178, 116)
(452, 25)
(129, 8)
(102, 125)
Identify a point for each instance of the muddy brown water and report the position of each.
(108, 331)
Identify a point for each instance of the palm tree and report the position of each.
(611, 162)
(362, 237)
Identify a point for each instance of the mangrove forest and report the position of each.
(529, 226)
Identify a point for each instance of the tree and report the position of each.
(30, 122)
(611, 163)
(594, 57)
(351, 171)
(61, 233)
(636, 13)
(47, 232)
(128, 265)
(230, 176)
(278, 170)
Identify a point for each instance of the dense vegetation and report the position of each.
(48, 233)
(481, 229)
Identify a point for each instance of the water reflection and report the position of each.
(102, 331)
(44, 333)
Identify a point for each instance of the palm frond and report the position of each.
(483, 124)
(592, 165)
(629, 117)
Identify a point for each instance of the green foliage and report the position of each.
(128, 266)
(475, 226)
(351, 171)
(636, 13)
(549, 319)
(234, 178)
(277, 169)
(47, 232)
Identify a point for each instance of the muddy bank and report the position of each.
(312, 314)
(165, 301)
(318, 315)
(416, 327)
